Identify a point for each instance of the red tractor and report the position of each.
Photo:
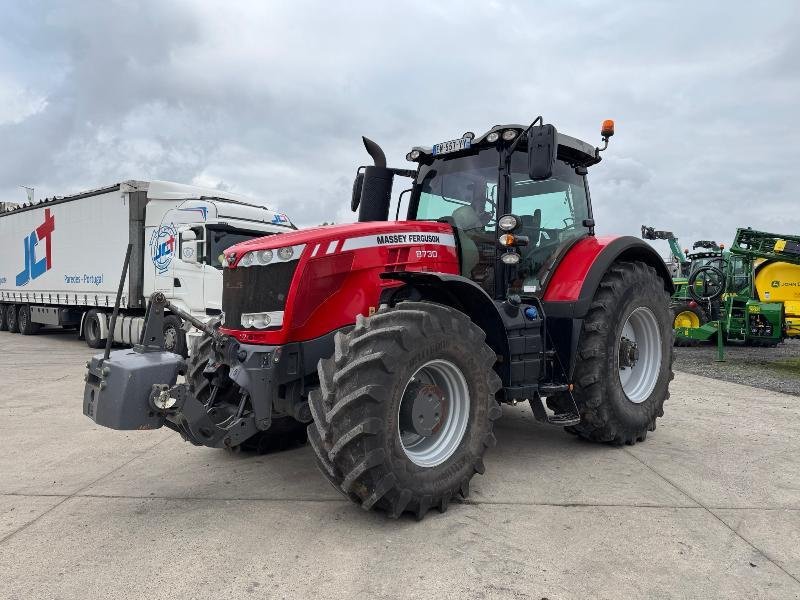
(396, 342)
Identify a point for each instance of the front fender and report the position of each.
(465, 295)
(577, 276)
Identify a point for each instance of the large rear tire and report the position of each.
(404, 412)
(625, 354)
(3, 318)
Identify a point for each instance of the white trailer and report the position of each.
(61, 258)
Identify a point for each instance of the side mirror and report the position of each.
(189, 252)
(358, 184)
(188, 246)
(542, 148)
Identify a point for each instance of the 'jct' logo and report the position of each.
(34, 268)
(162, 247)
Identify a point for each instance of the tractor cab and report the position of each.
(516, 196)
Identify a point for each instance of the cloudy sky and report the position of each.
(270, 98)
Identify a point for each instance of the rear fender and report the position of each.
(577, 276)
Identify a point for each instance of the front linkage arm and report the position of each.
(137, 388)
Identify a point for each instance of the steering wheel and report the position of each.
(712, 284)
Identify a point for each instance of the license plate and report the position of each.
(451, 146)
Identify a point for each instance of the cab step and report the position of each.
(564, 419)
(548, 389)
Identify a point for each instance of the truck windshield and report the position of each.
(220, 240)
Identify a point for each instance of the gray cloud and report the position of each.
(269, 99)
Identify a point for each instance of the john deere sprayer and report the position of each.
(750, 295)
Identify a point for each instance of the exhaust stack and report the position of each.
(376, 189)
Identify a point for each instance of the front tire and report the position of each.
(3, 317)
(405, 408)
(625, 355)
(283, 434)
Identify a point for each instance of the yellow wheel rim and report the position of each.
(685, 319)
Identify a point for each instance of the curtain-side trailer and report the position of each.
(61, 258)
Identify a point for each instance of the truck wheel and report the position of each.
(404, 412)
(686, 315)
(175, 336)
(11, 318)
(4, 317)
(625, 354)
(91, 329)
(283, 434)
(24, 323)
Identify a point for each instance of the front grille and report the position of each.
(255, 289)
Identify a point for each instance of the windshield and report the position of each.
(463, 190)
(220, 240)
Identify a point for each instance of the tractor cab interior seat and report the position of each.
(466, 219)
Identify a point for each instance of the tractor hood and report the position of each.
(350, 236)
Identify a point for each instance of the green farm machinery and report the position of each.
(749, 295)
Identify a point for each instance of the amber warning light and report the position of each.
(607, 130)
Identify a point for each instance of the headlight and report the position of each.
(492, 137)
(510, 258)
(262, 320)
(508, 222)
(261, 258)
(509, 134)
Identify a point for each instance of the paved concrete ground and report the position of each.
(708, 507)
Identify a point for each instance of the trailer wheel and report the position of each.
(11, 318)
(24, 323)
(4, 317)
(91, 328)
(625, 354)
(685, 314)
(175, 336)
(404, 412)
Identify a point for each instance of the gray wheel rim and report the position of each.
(447, 380)
(639, 381)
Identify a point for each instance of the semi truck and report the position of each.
(61, 258)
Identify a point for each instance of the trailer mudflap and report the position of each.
(118, 389)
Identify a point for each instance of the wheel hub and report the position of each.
(423, 414)
(628, 353)
(434, 413)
